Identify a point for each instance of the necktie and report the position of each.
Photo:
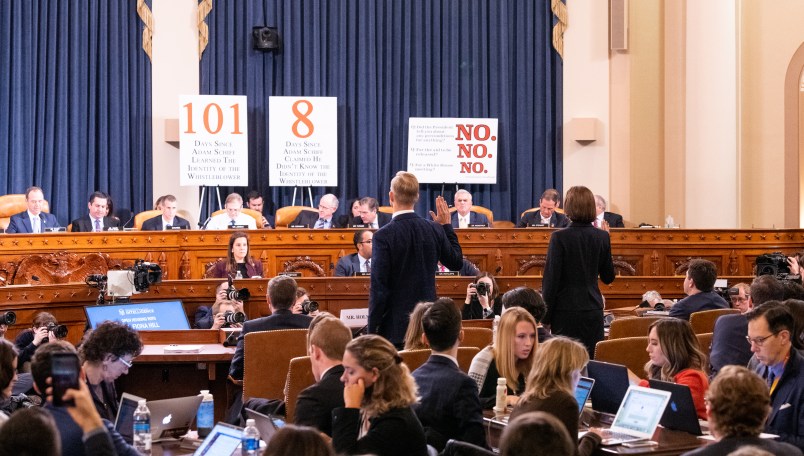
(463, 222)
(232, 223)
(168, 226)
(597, 223)
(97, 225)
(772, 380)
(36, 228)
(368, 265)
(320, 223)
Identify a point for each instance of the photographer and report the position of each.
(482, 298)
(204, 316)
(226, 314)
(45, 328)
(304, 305)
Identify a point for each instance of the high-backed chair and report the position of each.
(287, 214)
(533, 209)
(477, 337)
(386, 209)
(300, 376)
(478, 323)
(140, 218)
(14, 204)
(480, 210)
(250, 212)
(705, 341)
(630, 327)
(465, 357)
(266, 359)
(704, 321)
(628, 351)
(415, 358)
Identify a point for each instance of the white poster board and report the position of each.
(303, 145)
(213, 137)
(458, 150)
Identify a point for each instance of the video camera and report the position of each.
(774, 264)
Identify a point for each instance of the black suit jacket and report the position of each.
(382, 220)
(729, 346)
(347, 266)
(85, 224)
(309, 218)
(404, 258)
(534, 218)
(21, 223)
(613, 219)
(280, 319)
(449, 407)
(787, 402)
(155, 223)
(315, 404)
(729, 444)
(396, 432)
(474, 219)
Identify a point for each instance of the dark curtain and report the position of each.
(388, 60)
(75, 103)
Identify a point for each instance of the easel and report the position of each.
(309, 194)
(201, 203)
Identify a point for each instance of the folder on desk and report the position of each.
(183, 348)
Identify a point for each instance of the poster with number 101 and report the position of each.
(213, 135)
(303, 144)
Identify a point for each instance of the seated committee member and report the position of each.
(344, 220)
(98, 218)
(486, 305)
(463, 217)
(603, 218)
(546, 215)
(348, 265)
(32, 220)
(551, 387)
(698, 285)
(326, 343)
(233, 217)
(370, 215)
(325, 218)
(738, 405)
(238, 259)
(257, 202)
(378, 394)
(770, 330)
(510, 356)
(168, 220)
(449, 407)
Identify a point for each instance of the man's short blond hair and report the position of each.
(234, 197)
(405, 187)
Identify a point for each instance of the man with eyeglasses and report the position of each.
(327, 206)
(770, 329)
(728, 338)
(232, 217)
(349, 265)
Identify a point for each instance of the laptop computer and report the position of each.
(611, 383)
(266, 424)
(637, 417)
(583, 390)
(680, 414)
(224, 440)
(170, 418)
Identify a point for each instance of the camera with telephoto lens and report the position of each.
(309, 306)
(774, 264)
(8, 318)
(59, 331)
(233, 294)
(482, 288)
(230, 317)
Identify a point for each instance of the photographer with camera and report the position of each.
(482, 298)
(227, 314)
(45, 328)
(304, 305)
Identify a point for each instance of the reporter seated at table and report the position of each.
(31, 431)
(32, 220)
(532, 301)
(478, 306)
(551, 388)
(237, 260)
(379, 391)
(413, 335)
(293, 440)
(675, 356)
(737, 405)
(168, 220)
(510, 356)
(536, 433)
(360, 261)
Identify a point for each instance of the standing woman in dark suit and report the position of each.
(238, 259)
(576, 257)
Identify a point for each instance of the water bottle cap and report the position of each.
(501, 381)
(141, 402)
(249, 422)
(204, 392)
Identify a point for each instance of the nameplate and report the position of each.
(362, 274)
(298, 226)
(354, 318)
(55, 229)
(181, 228)
(359, 225)
(538, 225)
(2, 230)
(237, 227)
(478, 225)
(111, 228)
(290, 274)
(130, 229)
(447, 273)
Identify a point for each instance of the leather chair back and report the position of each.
(415, 358)
(478, 323)
(267, 356)
(477, 337)
(140, 218)
(465, 357)
(14, 204)
(630, 327)
(300, 376)
(628, 351)
(705, 341)
(285, 215)
(480, 210)
(250, 212)
(704, 321)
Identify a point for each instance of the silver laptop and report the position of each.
(638, 416)
(170, 418)
(266, 424)
(223, 440)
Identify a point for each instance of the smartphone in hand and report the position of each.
(64, 369)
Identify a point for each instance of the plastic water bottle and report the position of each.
(239, 275)
(251, 439)
(205, 418)
(142, 428)
(502, 396)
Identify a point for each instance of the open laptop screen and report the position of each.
(640, 411)
(583, 390)
(223, 440)
(141, 315)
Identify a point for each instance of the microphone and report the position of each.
(130, 219)
(497, 271)
(203, 226)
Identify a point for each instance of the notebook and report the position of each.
(266, 424)
(611, 383)
(637, 417)
(680, 414)
(582, 391)
(170, 418)
(223, 440)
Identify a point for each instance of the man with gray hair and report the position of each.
(463, 217)
(232, 217)
(613, 220)
(327, 206)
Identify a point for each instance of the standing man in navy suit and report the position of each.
(168, 220)
(546, 215)
(370, 214)
(32, 220)
(405, 254)
(463, 217)
(348, 265)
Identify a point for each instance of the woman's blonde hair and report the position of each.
(679, 345)
(505, 347)
(413, 336)
(554, 364)
(395, 387)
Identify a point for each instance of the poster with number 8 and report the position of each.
(213, 135)
(303, 141)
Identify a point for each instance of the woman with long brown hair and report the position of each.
(238, 259)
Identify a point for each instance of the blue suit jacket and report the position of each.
(404, 257)
(155, 223)
(533, 218)
(474, 219)
(21, 223)
(449, 407)
(787, 402)
(310, 218)
(280, 319)
(729, 346)
(347, 266)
